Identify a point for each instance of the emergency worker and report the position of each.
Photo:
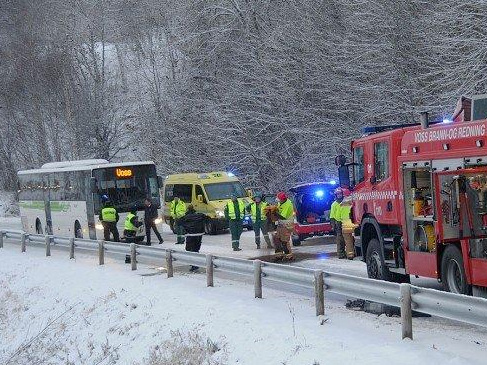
(347, 227)
(285, 225)
(338, 215)
(109, 218)
(257, 210)
(234, 212)
(131, 225)
(150, 216)
(335, 206)
(178, 210)
(194, 227)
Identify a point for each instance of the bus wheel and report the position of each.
(453, 272)
(78, 232)
(376, 267)
(39, 227)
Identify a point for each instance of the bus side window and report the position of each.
(381, 158)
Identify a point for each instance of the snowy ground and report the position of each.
(60, 311)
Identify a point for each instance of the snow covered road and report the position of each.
(109, 314)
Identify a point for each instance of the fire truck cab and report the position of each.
(420, 199)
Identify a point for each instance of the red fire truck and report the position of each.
(420, 199)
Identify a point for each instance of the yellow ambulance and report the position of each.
(207, 192)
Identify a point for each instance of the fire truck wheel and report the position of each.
(453, 272)
(376, 267)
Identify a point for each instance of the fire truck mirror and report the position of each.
(340, 160)
(344, 176)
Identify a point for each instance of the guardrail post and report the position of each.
(406, 311)
(48, 245)
(258, 278)
(23, 238)
(319, 293)
(133, 256)
(1, 238)
(169, 267)
(209, 270)
(101, 252)
(71, 248)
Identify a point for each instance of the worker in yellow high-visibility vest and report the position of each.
(109, 218)
(335, 219)
(285, 226)
(234, 212)
(257, 209)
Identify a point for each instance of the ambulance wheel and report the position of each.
(78, 232)
(453, 272)
(296, 240)
(376, 267)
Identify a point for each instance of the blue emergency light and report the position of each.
(332, 182)
(319, 193)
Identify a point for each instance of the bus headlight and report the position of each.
(219, 214)
(99, 226)
(158, 221)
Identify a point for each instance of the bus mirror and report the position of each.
(199, 198)
(93, 185)
(344, 176)
(160, 181)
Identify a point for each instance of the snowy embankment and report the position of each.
(57, 311)
(9, 207)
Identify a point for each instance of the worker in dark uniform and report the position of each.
(150, 215)
(109, 218)
(194, 226)
(131, 225)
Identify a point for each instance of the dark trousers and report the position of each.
(193, 243)
(236, 228)
(148, 226)
(110, 227)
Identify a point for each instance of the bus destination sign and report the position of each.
(123, 173)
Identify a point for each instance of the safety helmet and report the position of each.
(104, 198)
(282, 196)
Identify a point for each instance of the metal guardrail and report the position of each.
(408, 297)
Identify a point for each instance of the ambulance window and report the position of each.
(183, 192)
(199, 191)
(381, 156)
(358, 167)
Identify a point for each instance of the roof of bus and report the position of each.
(208, 177)
(84, 167)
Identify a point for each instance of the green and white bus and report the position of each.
(65, 198)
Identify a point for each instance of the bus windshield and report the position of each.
(220, 191)
(126, 186)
